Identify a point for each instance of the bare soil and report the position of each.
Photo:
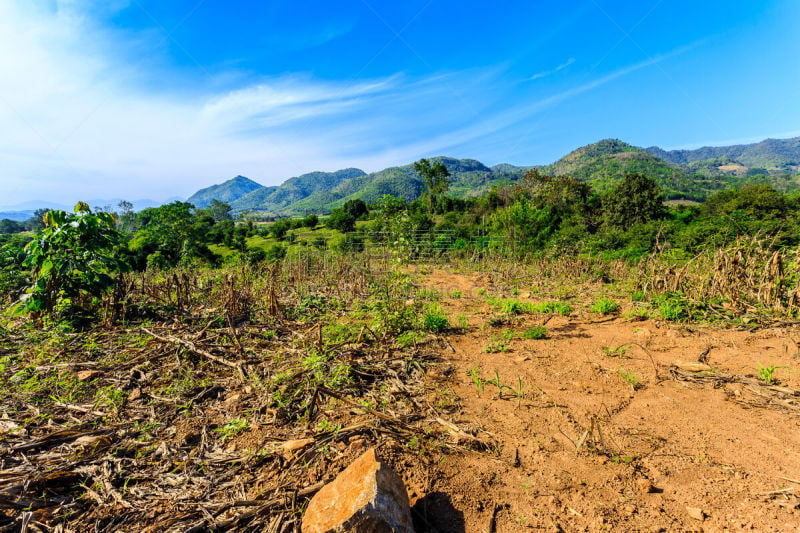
(609, 423)
(585, 450)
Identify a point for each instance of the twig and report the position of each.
(194, 348)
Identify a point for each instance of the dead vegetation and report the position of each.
(223, 403)
(222, 400)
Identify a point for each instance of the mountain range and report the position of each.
(683, 174)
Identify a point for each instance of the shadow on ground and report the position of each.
(435, 514)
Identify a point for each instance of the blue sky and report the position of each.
(154, 98)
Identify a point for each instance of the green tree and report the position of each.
(219, 211)
(436, 178)
(355, 208)
(311, 221)
(73, 260)
(175, 232)
(635, 200)
(36, 222)
(340, 220)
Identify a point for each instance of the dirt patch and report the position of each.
(603, 436)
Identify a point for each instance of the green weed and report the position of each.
(536, 332)
(767, 373)
(614, 351)
(435, 320)
(604, 306)
(630, 378)
(232, 428)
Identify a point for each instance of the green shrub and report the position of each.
(605, 306)
(435, 320)
(536, 332)
(672, 307)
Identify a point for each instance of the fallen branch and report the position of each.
(189, 345)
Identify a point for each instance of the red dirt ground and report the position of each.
(585, 451)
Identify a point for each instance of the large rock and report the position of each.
(367, 497)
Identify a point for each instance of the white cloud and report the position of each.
(79, 117)
(546, 73)
(77, 121)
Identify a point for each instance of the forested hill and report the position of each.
(603, 163)
(319, 192)
(770, 157)
(228, 191)
(682, 174)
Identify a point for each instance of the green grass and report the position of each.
(536, 332)
(434, 319)
(604, 306)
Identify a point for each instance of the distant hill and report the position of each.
(229, 191)
(319, 192)
(770, 156)
(603, 163)
(278, 199)
(683, 174)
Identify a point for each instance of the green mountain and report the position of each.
(319, 192)
(228, 191)
(683, 174)
(603, 163)
(277, 199)
(768, 157)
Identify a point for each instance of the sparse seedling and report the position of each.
(232, 428)
(615, 351)
(496, 347)
(630, 378)
(767, 373)
(496, 381)
(478, 381)
(455, 294)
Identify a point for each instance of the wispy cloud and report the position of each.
(79, 118)
(74, 122)
(559, 68)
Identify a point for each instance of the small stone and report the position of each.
(366, 497)
(696, 513)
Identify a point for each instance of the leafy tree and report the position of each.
(279, 228)
(127, 218)
(355, 208)
(13, 276)
(635, 200)
(311, 221)
(219, 211)
(36, 222)
(11, 226)
(436, 179)
(341, 220)
(175, 232)
(73, 260)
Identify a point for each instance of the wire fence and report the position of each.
(383, 251)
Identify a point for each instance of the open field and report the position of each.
(506, 397)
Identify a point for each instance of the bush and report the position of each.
(73, 261)
(435, 320)
(275, 253)
(605, 306)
